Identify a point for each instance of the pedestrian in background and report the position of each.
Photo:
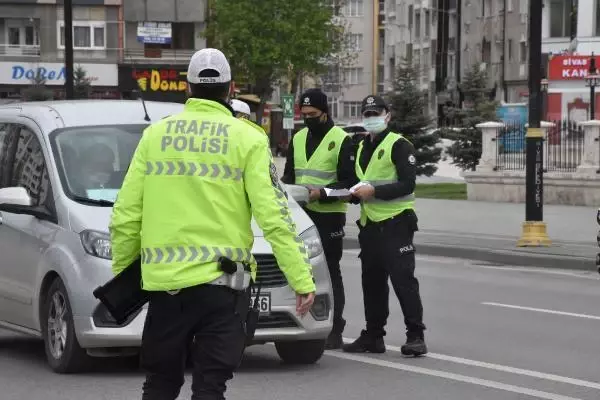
(189, 222)
(322, 156)
(386, 168)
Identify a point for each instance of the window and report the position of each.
(510, 50)
(331, 80)
(410, 18)
(352, 109)
(182, 37)
(87, 35)
(355, 41)
(381, 6)
(409, 51)
(427, 24)
(354, 76)
(560, 18)
(333, 103)
(510, 5)
(353, 8)
(433, 52)
(22, 164)
(417, 24)
(417, 57)
(22, 37)
(523, 55)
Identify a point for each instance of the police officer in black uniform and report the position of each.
(387, 250)
(331, 224)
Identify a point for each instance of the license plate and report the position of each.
(264, 302)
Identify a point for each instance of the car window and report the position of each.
(93, 160)
(7, 151)
(29, 169)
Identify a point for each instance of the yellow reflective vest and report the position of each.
(195, 180)
(381, 170)
(321, 169)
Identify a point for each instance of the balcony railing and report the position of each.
(19, 50)
(158, 55)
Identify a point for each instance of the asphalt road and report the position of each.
(494, 332)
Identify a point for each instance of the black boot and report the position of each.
(366, 344)
(415, 346)
(334, 341)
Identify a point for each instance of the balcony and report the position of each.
(11, 50)
(158, 55)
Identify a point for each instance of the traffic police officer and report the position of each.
(321, 156)
(190, 219)
(386, 168)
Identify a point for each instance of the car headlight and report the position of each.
(312, 242)
(97, 244)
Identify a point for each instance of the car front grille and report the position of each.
(276, 320)
(269, 274)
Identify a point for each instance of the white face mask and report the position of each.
(375, 124)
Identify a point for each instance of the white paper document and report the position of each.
(357, 186)
(337, 192)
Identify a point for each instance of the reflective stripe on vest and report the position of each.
(381, 171)
(320, 169)
(179, 168)
(198, 254)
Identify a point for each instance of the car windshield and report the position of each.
(92, 160)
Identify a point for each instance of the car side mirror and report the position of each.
(15, 196)
(298, 193)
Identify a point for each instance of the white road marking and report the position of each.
(539, 270)
(435, 259)
(448, 375)
(503, 368)
(542, 310)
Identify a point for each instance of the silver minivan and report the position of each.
(61, 166)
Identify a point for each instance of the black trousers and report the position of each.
(213, 319)
(387, 251)
(331, 230)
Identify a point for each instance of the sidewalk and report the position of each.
(489, 232)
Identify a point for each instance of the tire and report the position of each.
(63, 352)
(302, 352)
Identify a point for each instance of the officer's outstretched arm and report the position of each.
(126, 221)
(270, 209)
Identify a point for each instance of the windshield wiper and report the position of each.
(101, 203)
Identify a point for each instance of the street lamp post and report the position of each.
(592, 80)
(534, 228)
(544, 89)
(69, 84)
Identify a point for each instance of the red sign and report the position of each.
(566, 67)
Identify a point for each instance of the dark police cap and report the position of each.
(373, 103)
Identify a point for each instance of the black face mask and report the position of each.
(313, 124)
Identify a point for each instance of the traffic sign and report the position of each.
(288, 123)
(287, 101)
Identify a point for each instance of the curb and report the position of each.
(502, 257)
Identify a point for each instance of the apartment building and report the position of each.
(494, 35)
(32, 44)
(159, 40)
(347, 85)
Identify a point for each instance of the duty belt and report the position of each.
(223, 280)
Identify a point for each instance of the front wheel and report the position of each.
(63, 352)
(301, 352)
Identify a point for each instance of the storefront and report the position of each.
(16, 76)
(155, 82)
(568, 95)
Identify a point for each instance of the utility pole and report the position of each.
(69, 84)
(534, 228)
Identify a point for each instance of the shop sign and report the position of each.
(160, 79)
(154, 32)
(569, 67)
(22, 73)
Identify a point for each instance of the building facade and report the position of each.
(159, 39)
(32, 45)
(347, 85)
(494, 35)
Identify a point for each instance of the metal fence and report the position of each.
(563, 147)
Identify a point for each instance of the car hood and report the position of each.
(83, 217)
